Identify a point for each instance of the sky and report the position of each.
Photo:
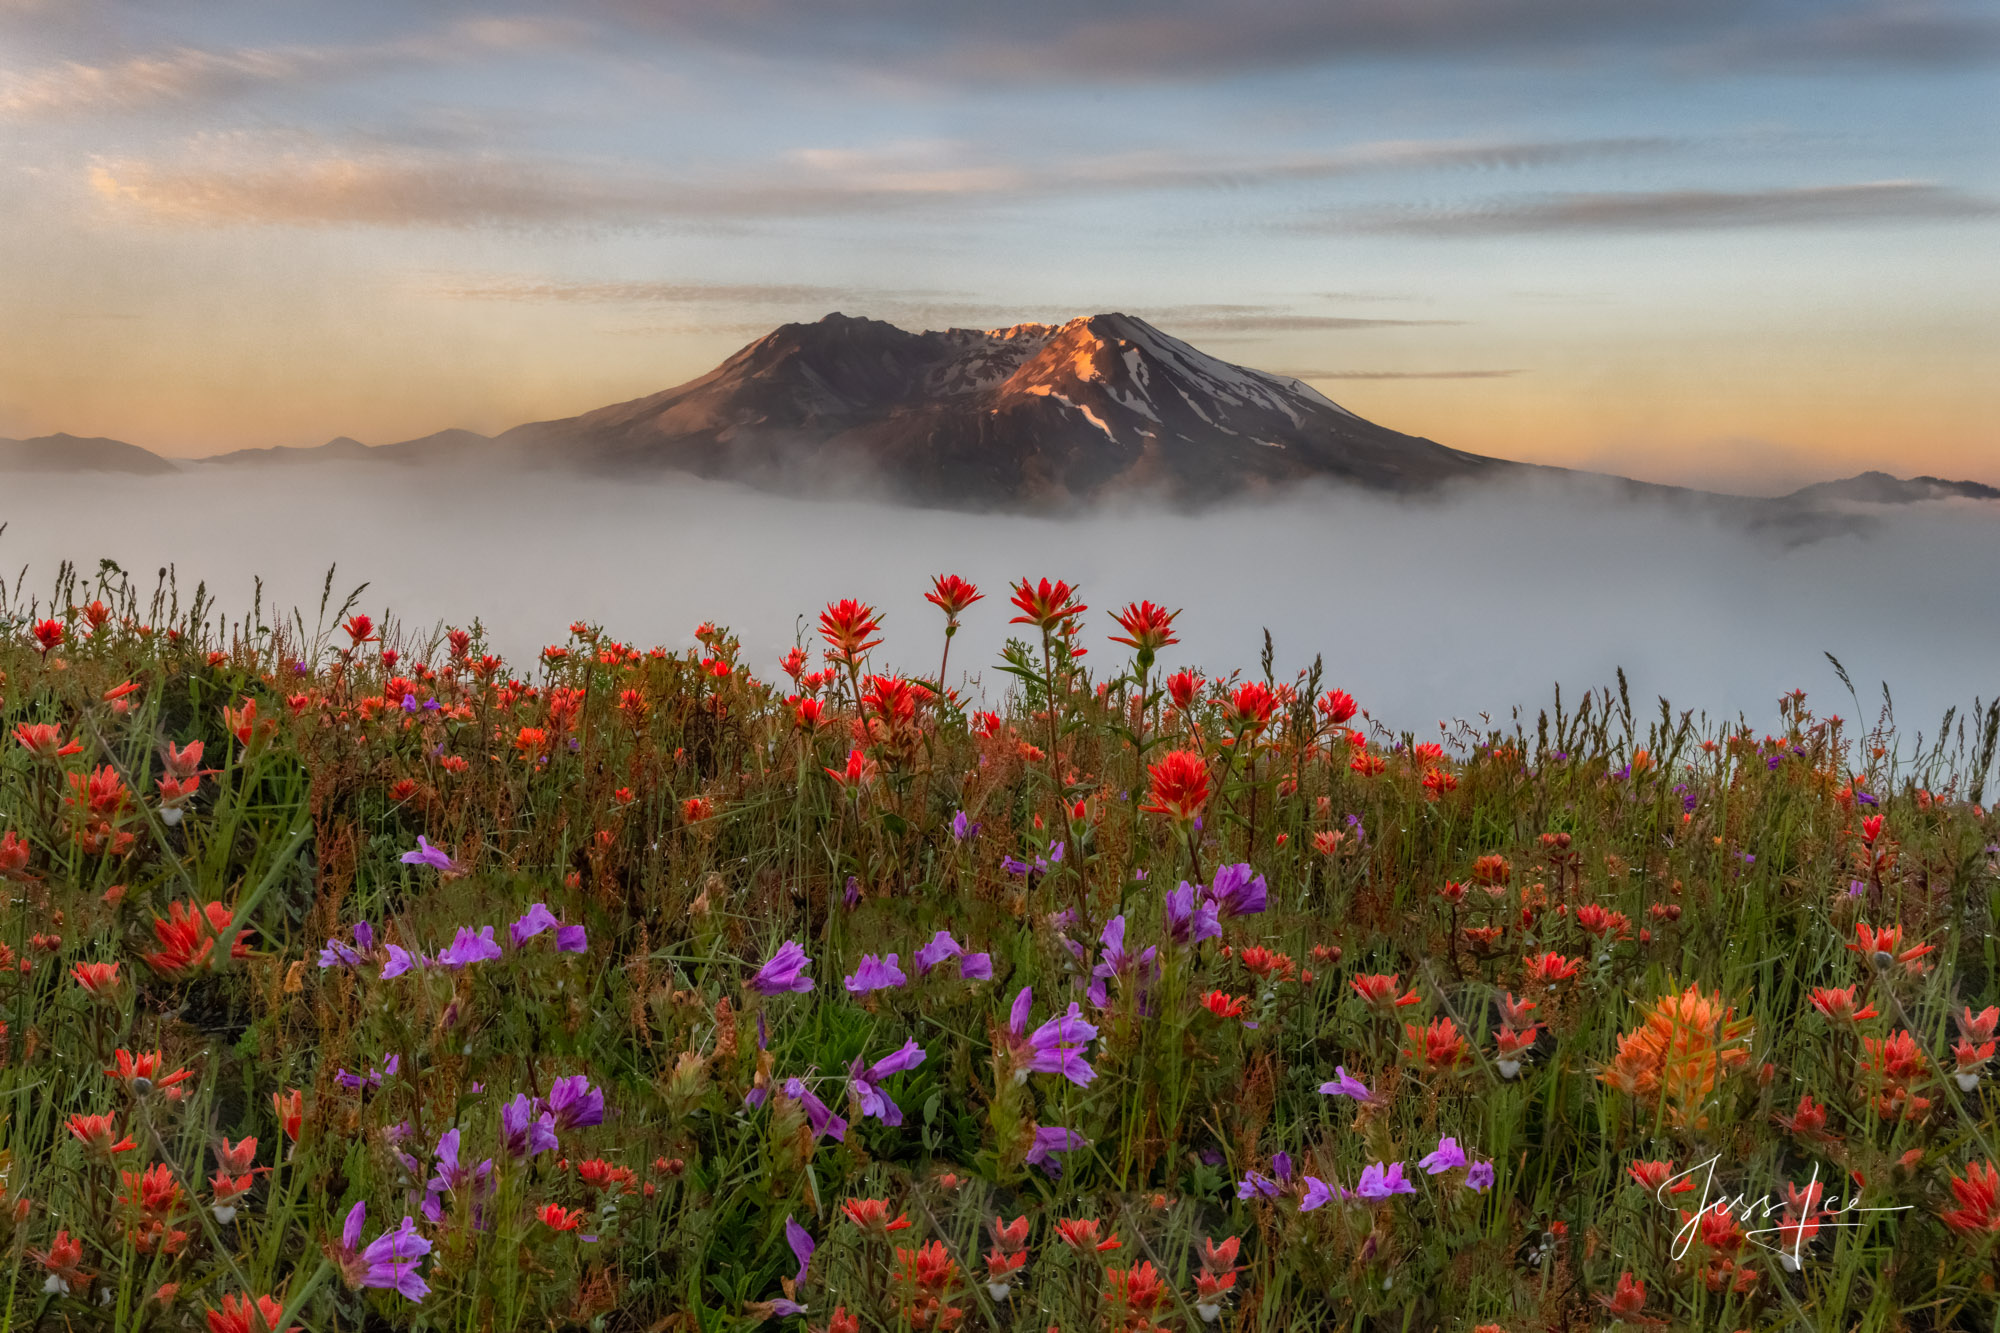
(1736, 243)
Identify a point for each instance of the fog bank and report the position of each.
(1424, 610)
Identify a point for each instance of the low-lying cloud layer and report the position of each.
(1425, 610)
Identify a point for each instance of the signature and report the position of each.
(1793, 1232)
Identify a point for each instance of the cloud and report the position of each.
(296, 180)
(1581, 583)
(380, 189)
(1900, 32)
(178, 75)
(1672, 210)
(1043, 40)
(1401, 374)
(1270, 319)
(651, 292)
(188, 74)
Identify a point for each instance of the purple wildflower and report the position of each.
(427, 855)
(1319, 1193)
(1115, 962)
(400, 961)
(372, 1079)
(825, 1124)
(976, 967)
(1479, 1177)
(962, 828)
(467, 947)
(864, 1081)
(451, 1177)
(783, 1307)
(1191, 918)
(1057, 1046)
(1048, 1142)
(389, 1262)
(1237, 890)
(1345, 1084)
(533, 922)
(575, 1103)
(851, 895)
(336, 954)
(1017, 1014)
(941, 947)
(1281, 1167)
(1254, 1184)
(783, 971)
(1447, 1156)
(875, 974)
(572, 939)
(1379, 1183)
(802, 1245)
(524, 1131)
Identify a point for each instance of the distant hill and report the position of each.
(72, 453)
(1882, 489)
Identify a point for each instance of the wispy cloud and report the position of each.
(181, 75)
(1910, 33)
(190, 74)
(1044, 40)
(654, 292)
(222, 180)
(1401, 374)
(1272, 319)
(1671, 210)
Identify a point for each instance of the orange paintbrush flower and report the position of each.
(1678, 1054)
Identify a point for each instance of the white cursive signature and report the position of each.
(1827, 1213)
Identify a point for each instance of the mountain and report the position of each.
(1039, 416)
(71, 453)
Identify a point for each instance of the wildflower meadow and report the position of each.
(353, 977)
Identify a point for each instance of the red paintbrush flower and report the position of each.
(1978, 1195)
(99, 1134)
(873, 1215)
(1080, 1233)
(1442, 1046)
(860, 771)
(951, 594)
(555, 1216)
(846, 625)
(1182, 687)
(141, 1073)
(49, 636)
(1047, 606)
(239, 1315)
(1837, 1005)
(1884, 948)
(1379, 990)
(1180, 785)
(1148, 628)
(1337, 707)
(44, 741)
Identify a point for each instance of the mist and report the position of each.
(1424, 610)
